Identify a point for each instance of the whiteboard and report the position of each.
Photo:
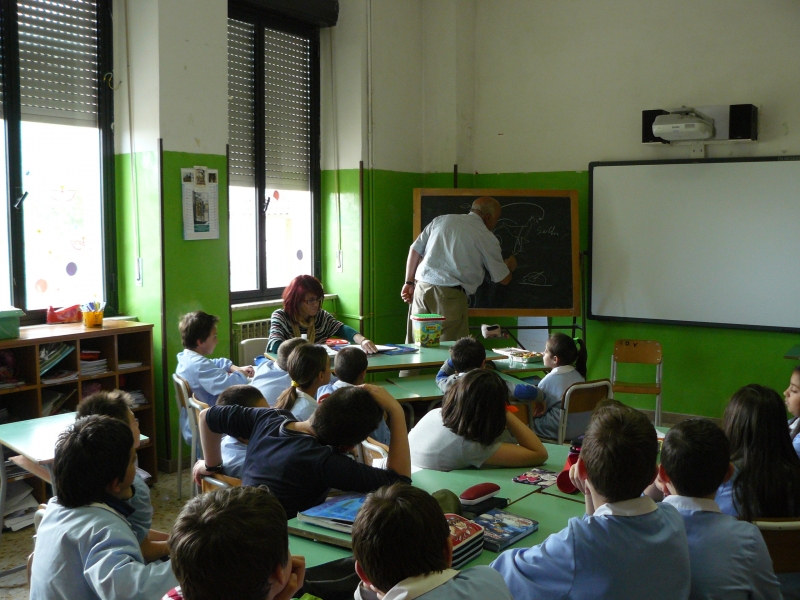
(713, 242)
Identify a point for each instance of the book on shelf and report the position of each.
(337, 513)
(53, 400)
(467, 538)
(128, 364)
(138, 397)
(93, 367)
(8, 384)
(51, 354)
(20, 506)
(90, 354)
(501, 529)
(60, 376)
(14, 470)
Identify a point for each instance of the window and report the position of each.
(273, 137)
(57, 223)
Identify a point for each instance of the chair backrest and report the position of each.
(580, 399)
(782, 537)
(218, 481)
(193, 409)
(182, 391)
(371, 451)
(250, 349)
(646, 352)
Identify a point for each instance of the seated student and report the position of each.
(351, 368)
(301, 461)
(728, 557)
(233, 543)
(567, 360)
(792, 397)
(84, 546)
(467, 431)
(309, 367)
(234, 449)
(117, 404)
(626, 544)
(402, 547)
(207, 377)
(271, 377)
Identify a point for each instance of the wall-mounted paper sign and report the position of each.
(200, 203)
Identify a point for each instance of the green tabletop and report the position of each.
(506, 365)
(315, 554)
(398, 393)
(36, 439)
(424, 386)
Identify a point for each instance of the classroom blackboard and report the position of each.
(540, 227)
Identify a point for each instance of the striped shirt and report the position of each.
(280, 329)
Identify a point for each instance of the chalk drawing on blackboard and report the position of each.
(520, 234)
(538, 279)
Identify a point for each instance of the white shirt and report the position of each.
(455, 250)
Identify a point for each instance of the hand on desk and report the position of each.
(369, 346)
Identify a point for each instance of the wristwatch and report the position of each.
(412, 282)
(217, 469)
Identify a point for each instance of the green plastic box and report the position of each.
(427, 329)
(9, 322)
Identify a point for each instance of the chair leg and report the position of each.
(180, 463)
(657, 418)
(193, 459)
(409, 411)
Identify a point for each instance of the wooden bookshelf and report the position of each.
(117, 341)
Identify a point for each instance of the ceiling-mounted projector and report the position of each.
(683, 125)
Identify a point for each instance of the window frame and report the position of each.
(263, 18)
(12, 113)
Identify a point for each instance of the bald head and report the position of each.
(488, 209)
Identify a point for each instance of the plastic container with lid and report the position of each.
(9, 322)
(427, 329)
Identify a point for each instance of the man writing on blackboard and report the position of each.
(446, 264)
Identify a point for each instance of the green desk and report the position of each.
(320, 534)
(400, 394)
(506, 365)
(315, 554)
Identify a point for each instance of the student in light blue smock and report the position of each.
(85, 548)
(567, 359)
(351, 369)
(792, 398)
(728, 557)
(402, 547)
(117, 404)
(207, 377)
(234, 449)
(271, 377)
(626, 545)
(309, 367)
(766, 483)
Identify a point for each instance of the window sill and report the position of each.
(270, 303)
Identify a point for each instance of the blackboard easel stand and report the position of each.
(574, 327)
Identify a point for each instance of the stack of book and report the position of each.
(93, 367)
(138, 397)
(60, 376)
(20, 506)
(11, 383)
(128, 364)
(13, 470)
(337, 513)
(467, 538)
(53, 400)
(51, 354)
(501, 529)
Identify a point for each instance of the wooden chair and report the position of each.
(182, 394)
(250, 349)
(782, 537)
(218, 481)
(370, 450)
(581, 399)
(645, 352)
(195, 406)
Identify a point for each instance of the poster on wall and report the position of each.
(200, 203)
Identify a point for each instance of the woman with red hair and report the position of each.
(302, 314)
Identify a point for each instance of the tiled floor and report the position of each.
(16, 546)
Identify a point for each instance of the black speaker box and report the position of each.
(743, 122)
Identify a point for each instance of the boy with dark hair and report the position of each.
(402, 546)
(626, 542)
(350, 365)
(85, 548)
(234, 449)
(234, 543)
(207, 377)
(729, 558)
(271, 377)
(300, 461)
(117, 405)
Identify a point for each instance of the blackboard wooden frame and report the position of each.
(572, 195)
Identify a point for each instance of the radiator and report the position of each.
(246, 330)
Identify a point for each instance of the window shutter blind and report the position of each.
(241, 97)
(287, 111)
(58, 61)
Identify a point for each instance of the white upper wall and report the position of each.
(561, 84)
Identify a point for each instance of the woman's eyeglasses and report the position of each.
(313, 301)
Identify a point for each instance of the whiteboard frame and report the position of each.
(717, 325)
(572, 195)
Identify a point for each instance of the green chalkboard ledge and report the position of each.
(793, 353)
